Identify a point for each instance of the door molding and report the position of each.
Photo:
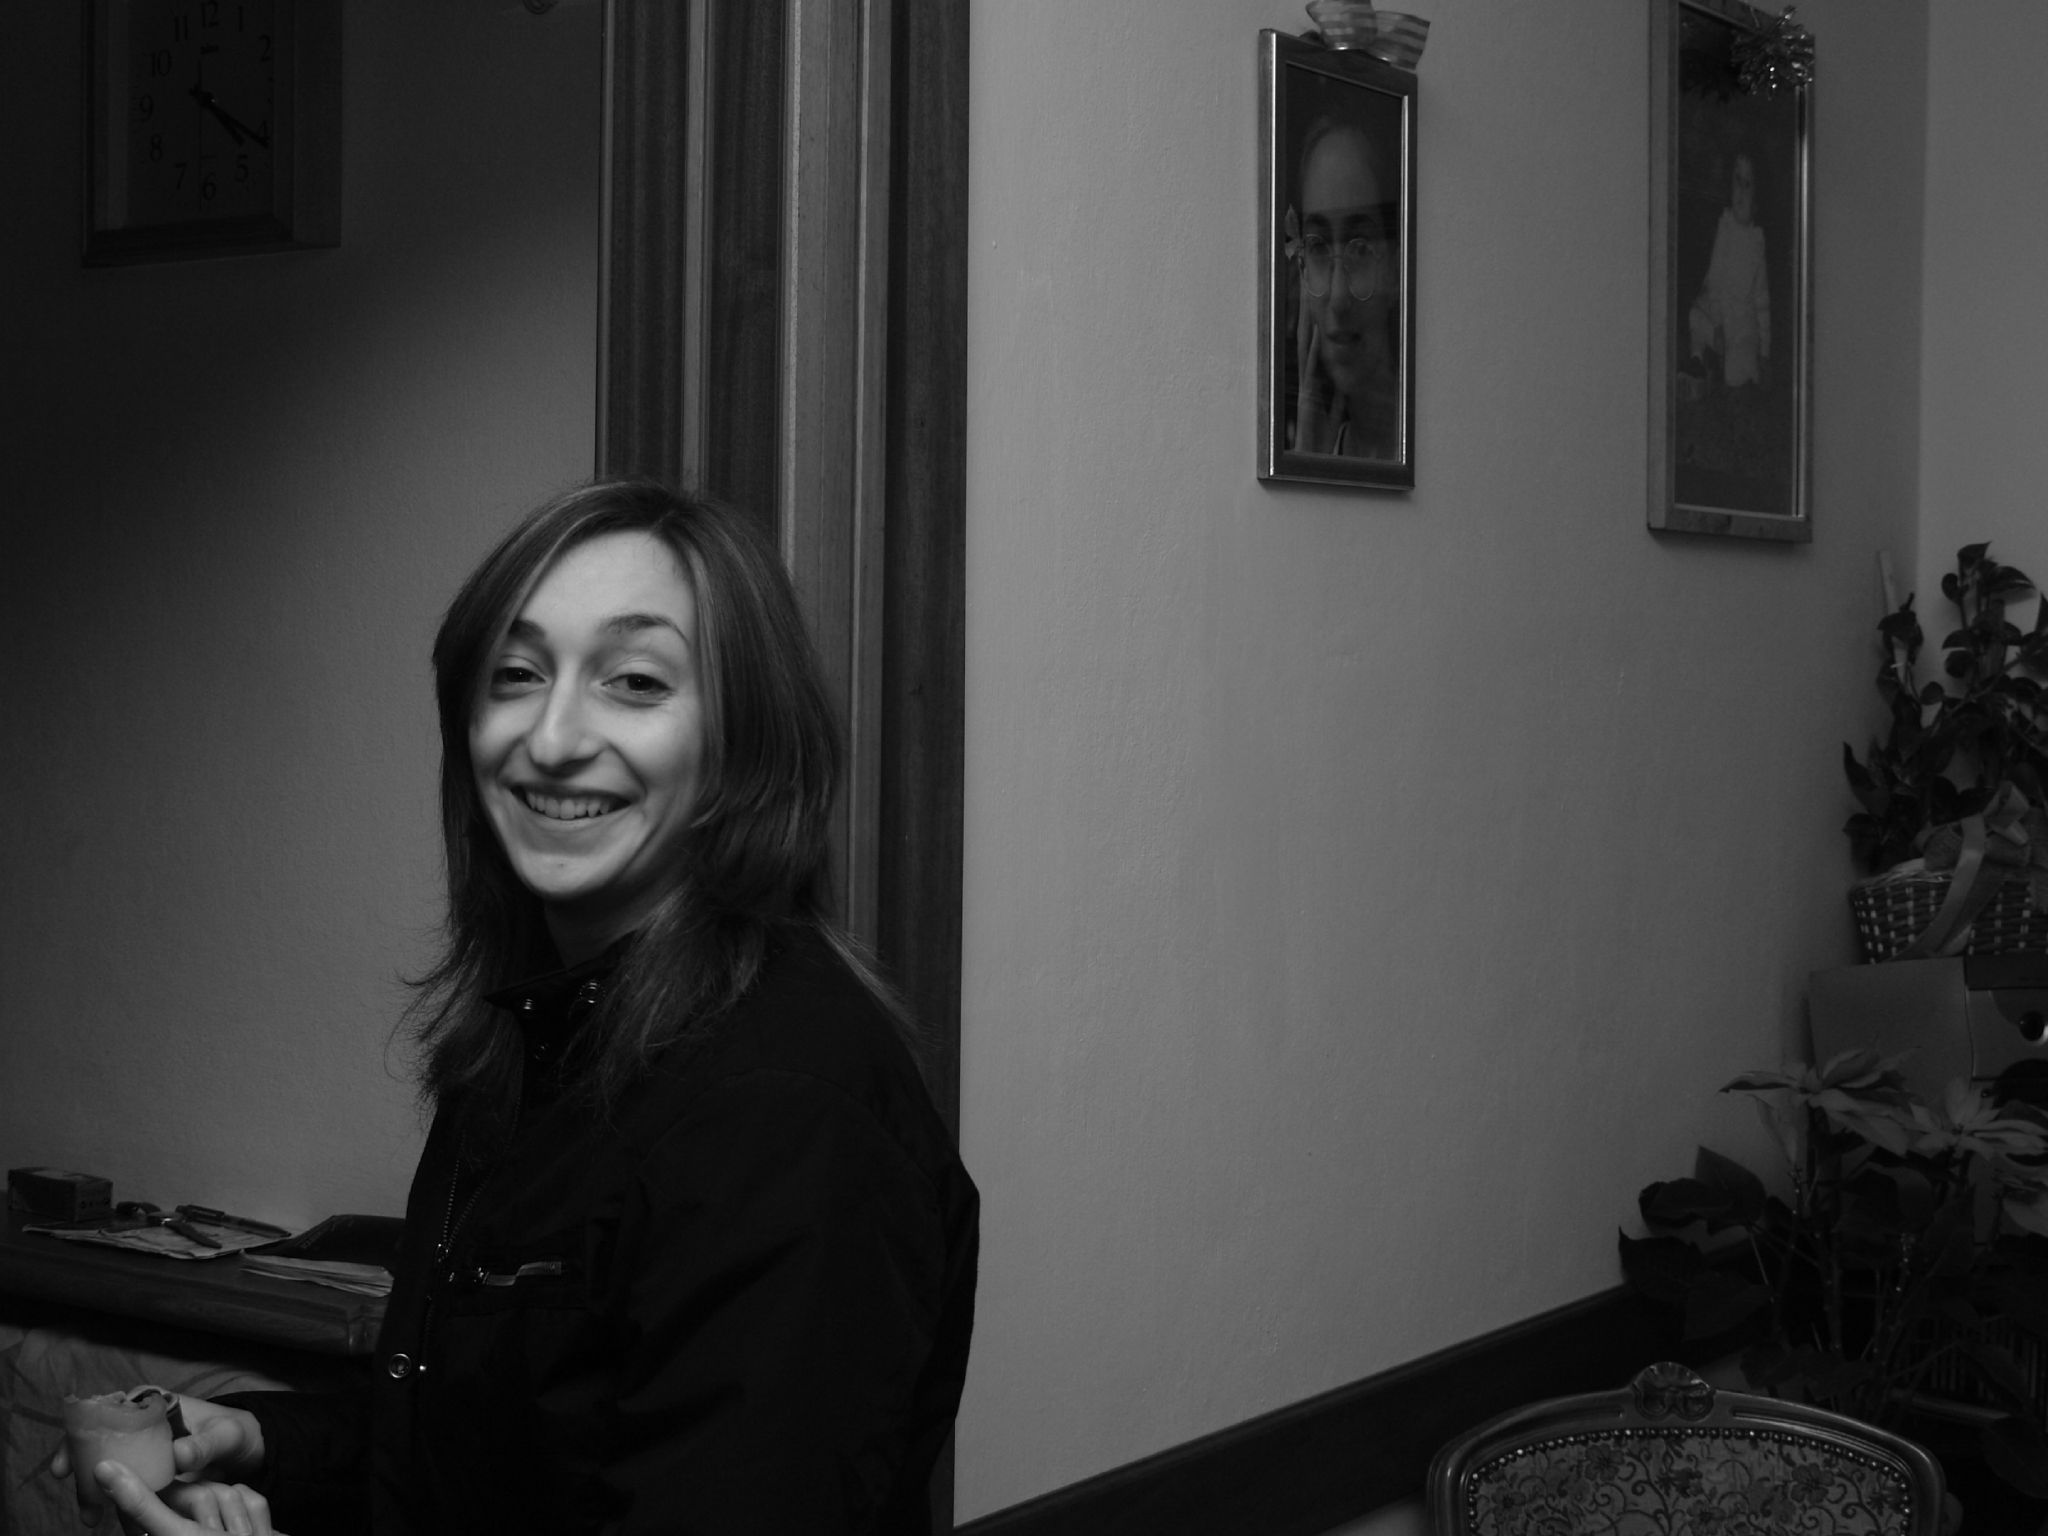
(782, 325)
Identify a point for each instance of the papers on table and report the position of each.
(362, 1279)
(348, 1253)
(166, 1241)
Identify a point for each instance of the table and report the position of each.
(214, 1296)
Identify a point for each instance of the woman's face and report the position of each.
(588, 737)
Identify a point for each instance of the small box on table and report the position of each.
(53, 1194)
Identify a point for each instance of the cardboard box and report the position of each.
(53, 1194)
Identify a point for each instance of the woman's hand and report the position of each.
(223, 1442)
(206, 1506)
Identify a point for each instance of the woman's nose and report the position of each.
(561, 731)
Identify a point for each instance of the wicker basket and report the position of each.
(1893, 909)
(1934, 1342)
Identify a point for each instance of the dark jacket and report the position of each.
(741, 1304)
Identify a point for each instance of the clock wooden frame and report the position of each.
(300, 208)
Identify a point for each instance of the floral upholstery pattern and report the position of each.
(1687, 1480)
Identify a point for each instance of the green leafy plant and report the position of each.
(1907, 1273)
(1950, 747)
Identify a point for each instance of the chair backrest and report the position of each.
(1669, 1453)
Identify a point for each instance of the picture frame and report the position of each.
(1731, 282)
(1336, 397)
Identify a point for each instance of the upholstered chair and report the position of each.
(1670, 1456)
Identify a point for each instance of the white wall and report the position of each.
(237, 494)
(1984, 455)
(1366, 894)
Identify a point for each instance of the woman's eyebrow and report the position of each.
(633, 623)
(523, 628)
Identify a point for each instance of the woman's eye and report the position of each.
(641, 685)
(512, 676)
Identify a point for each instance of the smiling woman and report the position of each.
(689, 1246)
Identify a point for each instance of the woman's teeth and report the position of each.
(565, 807)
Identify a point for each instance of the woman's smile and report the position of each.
(568, 805)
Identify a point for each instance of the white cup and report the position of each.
(133, 1428)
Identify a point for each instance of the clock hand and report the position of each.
(205, 99)
(236, 130)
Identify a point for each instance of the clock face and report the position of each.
(192, 112)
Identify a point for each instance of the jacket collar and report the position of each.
(550, 991)
(549, 1006)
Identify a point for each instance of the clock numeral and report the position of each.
(179, 167)
(241, 167)
(145, 107)
(207, 188)
(209, 13)
(159, 62)
(181, 29)
(156, 147)
(264, 39)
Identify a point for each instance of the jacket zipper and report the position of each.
(452, 1219)
(451, 1223)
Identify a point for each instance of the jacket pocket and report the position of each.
(547, 1272)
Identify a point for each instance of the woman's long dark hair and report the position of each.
(756, 855)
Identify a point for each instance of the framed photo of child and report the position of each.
(1731, 271)
(1336, 266)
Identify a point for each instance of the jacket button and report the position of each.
(398, 1367)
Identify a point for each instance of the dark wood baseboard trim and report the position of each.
(1309, 1467)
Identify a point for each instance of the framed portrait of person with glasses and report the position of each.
(1337, 266)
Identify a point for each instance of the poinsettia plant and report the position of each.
(1907, 1270)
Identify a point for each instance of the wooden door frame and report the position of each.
(785, 199)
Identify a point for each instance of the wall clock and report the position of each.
(213, 127)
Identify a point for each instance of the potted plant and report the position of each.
(1905, 1279)
(1962, 759)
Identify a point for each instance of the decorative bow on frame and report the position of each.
(1779, 55)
